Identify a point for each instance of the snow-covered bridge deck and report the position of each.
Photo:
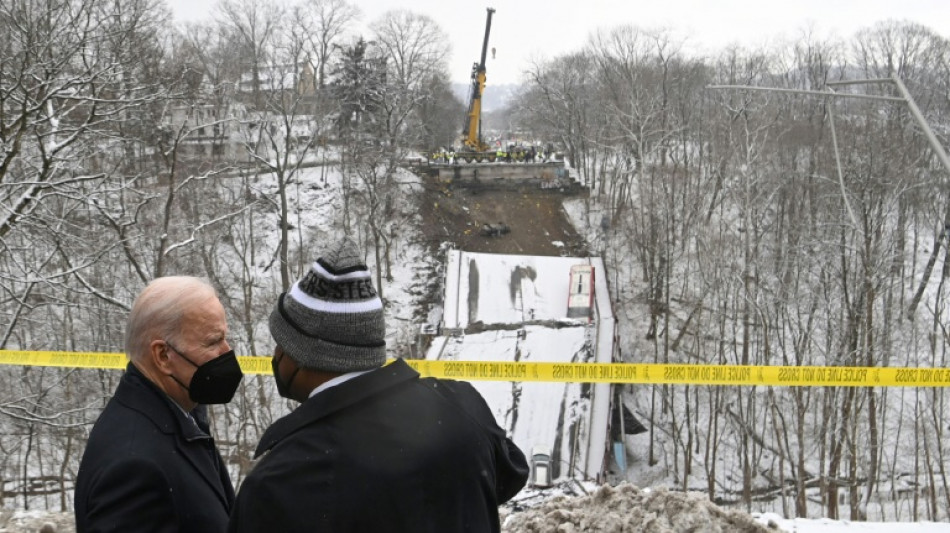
(514, 308)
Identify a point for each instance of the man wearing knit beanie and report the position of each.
(372, 446)
(332, 319)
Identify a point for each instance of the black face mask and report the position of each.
(215, 381)
(283, 388)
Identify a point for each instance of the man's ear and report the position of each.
(158, 355)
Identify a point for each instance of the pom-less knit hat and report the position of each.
(332, 318)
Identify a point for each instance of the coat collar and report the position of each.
(336, 399)
(138, 393)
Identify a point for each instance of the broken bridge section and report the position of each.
(514, 308)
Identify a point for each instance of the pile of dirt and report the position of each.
(626, 508)
(36, 522)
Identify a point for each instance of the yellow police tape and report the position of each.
(574, 372)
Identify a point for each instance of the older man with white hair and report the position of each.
(151, 463)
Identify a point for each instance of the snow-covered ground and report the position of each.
(628, 508)
(824, 525)
(604, 509)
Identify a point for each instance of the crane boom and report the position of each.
(472, 130)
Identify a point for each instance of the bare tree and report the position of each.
(252, 25)
(558, 104)
(327, 22)
(415, 50)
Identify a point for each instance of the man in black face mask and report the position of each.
(371, 447)
(151, 463)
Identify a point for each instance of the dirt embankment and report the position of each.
(536, 222)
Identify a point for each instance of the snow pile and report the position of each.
(36, 522)
(627, 508)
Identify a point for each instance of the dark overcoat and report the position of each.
(148, 466)
(385, 451)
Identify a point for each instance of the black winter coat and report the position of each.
(385, 451)
(149, 467)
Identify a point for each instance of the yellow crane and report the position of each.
(473, 146)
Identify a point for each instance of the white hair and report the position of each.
(158, 310)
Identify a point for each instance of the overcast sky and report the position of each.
(526, 30)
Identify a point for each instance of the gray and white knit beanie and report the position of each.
(332, 318)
